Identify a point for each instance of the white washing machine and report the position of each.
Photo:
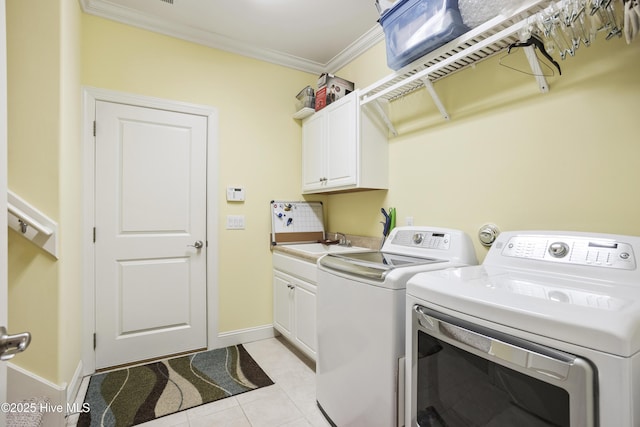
(360, 322)
(546, 332)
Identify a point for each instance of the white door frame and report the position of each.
(90, 96)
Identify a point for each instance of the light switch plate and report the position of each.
(235, 222)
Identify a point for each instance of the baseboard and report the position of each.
(23, 385)
(74, 385)
(241, 336)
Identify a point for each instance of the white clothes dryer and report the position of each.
(360, 322)
(546, 332)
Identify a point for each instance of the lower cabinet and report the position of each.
(294, 311)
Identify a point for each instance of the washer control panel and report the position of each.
(422, 239)
(572, 250)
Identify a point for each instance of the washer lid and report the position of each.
(371, 264)
(596, 314)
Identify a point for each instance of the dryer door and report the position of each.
(465, 374)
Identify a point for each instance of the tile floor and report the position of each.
(290, 402)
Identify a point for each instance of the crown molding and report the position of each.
(217, 41)
(355, 49)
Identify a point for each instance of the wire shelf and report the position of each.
(472, 47)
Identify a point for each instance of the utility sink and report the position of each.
(319, 248)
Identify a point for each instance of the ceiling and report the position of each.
(309, 35)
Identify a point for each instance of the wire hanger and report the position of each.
(535, 42)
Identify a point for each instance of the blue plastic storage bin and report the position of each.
(413, 28)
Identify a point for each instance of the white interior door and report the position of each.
(150, 218)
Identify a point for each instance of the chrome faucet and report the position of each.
(342, 240)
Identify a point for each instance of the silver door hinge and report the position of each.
(94, 128)
(94, 340)
(94, 234)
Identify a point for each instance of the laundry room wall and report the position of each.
(509, 155)
(259, 141)
(33, 158)
(43, 73)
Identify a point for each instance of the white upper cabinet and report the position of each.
(344, 148)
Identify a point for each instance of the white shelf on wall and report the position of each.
(303, 113)
(32, 224)
(472, 47)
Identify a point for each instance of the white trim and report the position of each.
(74, 385)
(212, 227)
(88, 215)
(135, 18)
(355, 49)
(242, 336)
(90, 96)
(26, 385)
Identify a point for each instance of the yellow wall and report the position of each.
(259, 149)
(44, 168)
(566, 160)
(259, 141)
(33, 68)
(509, 155)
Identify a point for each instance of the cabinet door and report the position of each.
(313, 152)
(305, 318)
(282, 305)
(342, 143)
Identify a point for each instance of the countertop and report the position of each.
(358, 241)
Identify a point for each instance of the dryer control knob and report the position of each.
(558, 249)
(418, 238)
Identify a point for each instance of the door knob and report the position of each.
(10, 345)
(198, 244)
